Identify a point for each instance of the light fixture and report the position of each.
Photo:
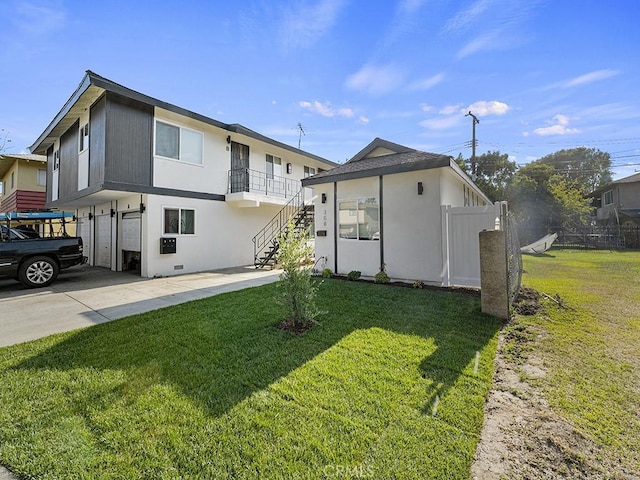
(420, 188)
(324, 198)
(142, 207)
(289, 168)
(228, 138)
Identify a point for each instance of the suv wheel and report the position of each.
(38, 272)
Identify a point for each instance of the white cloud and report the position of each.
(37, 19)
(488, 41)
(442, 123)
(304, 23)
(375, 80)
(363, 120)
(484, 108)
(325, 109)
(426, 107)
(450, 110)
(590, 77)
(466, 17)
(427, 83)
(559, 127)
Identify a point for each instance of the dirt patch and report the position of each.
(522, 437)
(294, 326)
(528, 302)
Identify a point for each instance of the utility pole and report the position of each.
(474, 122)
(300, 134)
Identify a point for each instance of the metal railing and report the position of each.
(253, 181)
(272, 230)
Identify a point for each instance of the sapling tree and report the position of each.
(299, 289)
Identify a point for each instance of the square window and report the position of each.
(179, 221)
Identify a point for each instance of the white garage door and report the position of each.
(84, 231)
(131, 231)
(103, 241)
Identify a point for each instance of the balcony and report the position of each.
(251, 188)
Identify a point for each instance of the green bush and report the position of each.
(327, 273)
(354, 275)
(299, 289)
(381, 277)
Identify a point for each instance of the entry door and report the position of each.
(239, 167)
(103, 241)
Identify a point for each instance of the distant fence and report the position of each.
(609, 237)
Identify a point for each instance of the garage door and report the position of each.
(84, 231)
(131, 231)
(103, 241)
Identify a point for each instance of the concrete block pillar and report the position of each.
(494, 280)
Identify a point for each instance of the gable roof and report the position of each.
(93, 86)
(630, 179)
(374, 161)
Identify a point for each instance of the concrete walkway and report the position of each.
(85, 296)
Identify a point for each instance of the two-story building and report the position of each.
(162, 190)
(618, 202)
(24, 179)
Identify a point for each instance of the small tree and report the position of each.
(298, 288)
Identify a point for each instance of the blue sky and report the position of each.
(540, 75)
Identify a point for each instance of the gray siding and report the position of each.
(129, 133)
(97, 126)
(68, 183)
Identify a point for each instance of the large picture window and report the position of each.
(359, 219)
(178, 143)
(179, 221)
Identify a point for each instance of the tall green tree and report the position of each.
(584, 168)
(494, 173)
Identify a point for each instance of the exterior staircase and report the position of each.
(265, 242)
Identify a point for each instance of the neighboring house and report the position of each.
(162, 190)
(415, 213)
(24, 180)
(618, 203)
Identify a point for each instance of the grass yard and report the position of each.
(592, 349)
(391, 384)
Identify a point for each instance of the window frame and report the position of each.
(84, 138)
(180, 226)
(56, 160)
(272, 174)
(44, 172)
(309, 171)
(359, 201)
(181, 152)
(608, 193)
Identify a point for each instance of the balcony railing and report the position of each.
(253, 181)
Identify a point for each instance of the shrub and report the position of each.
(353, 275)
(299, 289)
(418, 284)
(381, 277)
(327, 273)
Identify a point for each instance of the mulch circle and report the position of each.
(293, 326)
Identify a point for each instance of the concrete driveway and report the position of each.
(85, 296)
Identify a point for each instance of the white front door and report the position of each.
(103, 241)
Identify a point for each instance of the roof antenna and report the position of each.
(302, 132)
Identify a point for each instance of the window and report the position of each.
(84, 137)
(56, 160)
(179, 221)
(274, 166)
(359, 219)
(608, 197)
(13, 180)
(42, 177)
(178, 143)
(309, 171)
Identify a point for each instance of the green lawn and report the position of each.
(385, 387)
(592, 348)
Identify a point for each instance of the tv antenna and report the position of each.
(300, 133)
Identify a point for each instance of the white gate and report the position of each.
(461, 244)
(103, 241)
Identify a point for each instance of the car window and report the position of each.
(15, 235)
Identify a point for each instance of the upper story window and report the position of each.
(84, 137)
(13, 180)
(56, 159)
(359, 219)
(309, 171)
(608, 197)
(178, 143)
(42, 177)
(274, 166)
